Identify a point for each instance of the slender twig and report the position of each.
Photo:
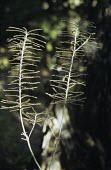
(34, 123)
(70, 70)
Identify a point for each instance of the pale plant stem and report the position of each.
(20, 102)
(68, 81)
(20, 80)
(70, 70)
(33, 126)
(83, 43)
(32, 153)
(65, 100)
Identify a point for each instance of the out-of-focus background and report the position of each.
(94, 118)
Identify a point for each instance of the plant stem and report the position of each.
(20, 101)
(70, 70)
(20, 80)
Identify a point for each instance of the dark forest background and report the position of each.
(94, 118)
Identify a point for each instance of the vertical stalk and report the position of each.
(20, 81)
(66, 96)
(68, 81)
(20, 100)
(70, 69)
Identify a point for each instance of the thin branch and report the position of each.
(33, 126)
